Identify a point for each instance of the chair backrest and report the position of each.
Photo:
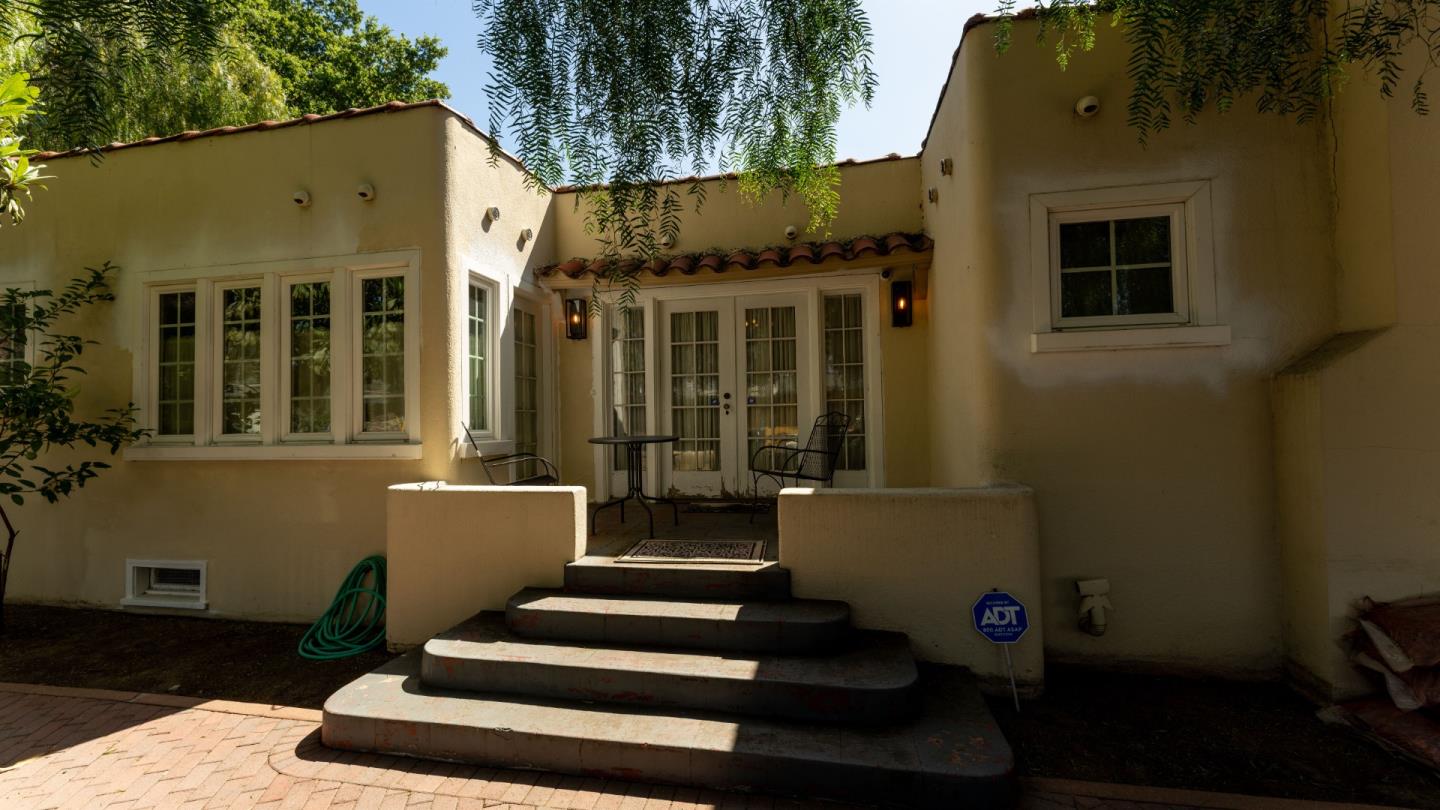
(478, 454)
(826, 440)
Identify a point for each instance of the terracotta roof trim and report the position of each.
(308, 118)
(797, 255)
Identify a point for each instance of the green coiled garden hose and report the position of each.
(355, 620)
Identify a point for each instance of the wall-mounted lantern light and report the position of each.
(902, 303)
(577, 318)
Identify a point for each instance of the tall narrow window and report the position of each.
(771, 393)
(695, 390)
(382, 355)
(310, 357)
(12, 344)
(479, 353)
(845, 372)
(627, 376)
(240, 361)
(175, 391)
(527, 390)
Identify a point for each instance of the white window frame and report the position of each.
(411, 433)
(339, 351)
(276, 277)
(538, 304)
(1195, 320)
(493, 365)
(185, 600)
(23, 286)
(217, 360)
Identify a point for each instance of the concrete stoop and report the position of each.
(638, 678)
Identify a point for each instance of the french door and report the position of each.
(733, 375)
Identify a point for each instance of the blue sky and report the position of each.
(914, 40)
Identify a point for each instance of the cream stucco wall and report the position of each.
(1151, 467)
(916, 560)
(452, 551)
(278, 535)
(1359, 454)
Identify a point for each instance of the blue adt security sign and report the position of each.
(1000, 617)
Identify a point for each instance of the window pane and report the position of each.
(527, 392)
(627, 377)
(1142, 241)
(12, 344)
(382, 355)
(694, 408)
(845, 371)
(478, 360)
(1144, 291)
(770, 395)
(240, 361)
(1086, 294)
(310, 357)
(175, 392)
(1085, 244)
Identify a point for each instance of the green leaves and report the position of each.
(1289, 55)
(38, 405)
(18, 176)
(626, 94)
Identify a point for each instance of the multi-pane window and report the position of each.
(627, 376)
(477, 354)
(845, 372)
(240, 361)
(695, 390)
(771, 391)
(305, 358)
(527, 389)
(175, 394)
(310, 357)
(1117, 269)
(12, 343)
(382, 354)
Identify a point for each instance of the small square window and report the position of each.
(1118, 267)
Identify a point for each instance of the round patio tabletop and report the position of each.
(633, 439)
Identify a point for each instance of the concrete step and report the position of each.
(953, 755)
(869, 682)
(602, 574)
(794, 627)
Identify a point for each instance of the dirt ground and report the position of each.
(1164, 731)
(1099, 726)
(248, 661)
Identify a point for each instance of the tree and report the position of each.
(331, 56)
(1292, 55)
(629, 92)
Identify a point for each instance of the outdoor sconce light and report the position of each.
(577, 318)
(902, 303)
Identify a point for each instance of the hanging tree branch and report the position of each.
(617, 95)
(1290, 55)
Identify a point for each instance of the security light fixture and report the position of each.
(577, 318)
(902, 303)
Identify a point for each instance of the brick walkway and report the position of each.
(75, 748)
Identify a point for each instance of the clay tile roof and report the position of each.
(801, 254)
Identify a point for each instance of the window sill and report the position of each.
(273, 452)
(185, 603)
(1155, 337)
(490, 447)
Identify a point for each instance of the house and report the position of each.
(1203, 370)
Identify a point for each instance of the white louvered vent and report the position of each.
(165, 583)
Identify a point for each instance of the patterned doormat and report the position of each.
(741, 552)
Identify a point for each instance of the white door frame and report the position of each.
(815, 287)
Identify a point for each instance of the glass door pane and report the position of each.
(695, 390)
(772, 396)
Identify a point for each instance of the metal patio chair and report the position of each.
(549, 477)
(816, 461)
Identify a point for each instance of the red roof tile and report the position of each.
(800, 255)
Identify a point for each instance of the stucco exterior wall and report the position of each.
(452, 551)
(915, 561)
(278, 535)
(1151, 467)
(1361, 451)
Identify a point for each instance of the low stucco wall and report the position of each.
(915, 560)
(455, 550)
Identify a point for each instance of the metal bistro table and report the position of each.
(635, 453)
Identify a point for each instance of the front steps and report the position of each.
(630, 674)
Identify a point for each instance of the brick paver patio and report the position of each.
(77, 748)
